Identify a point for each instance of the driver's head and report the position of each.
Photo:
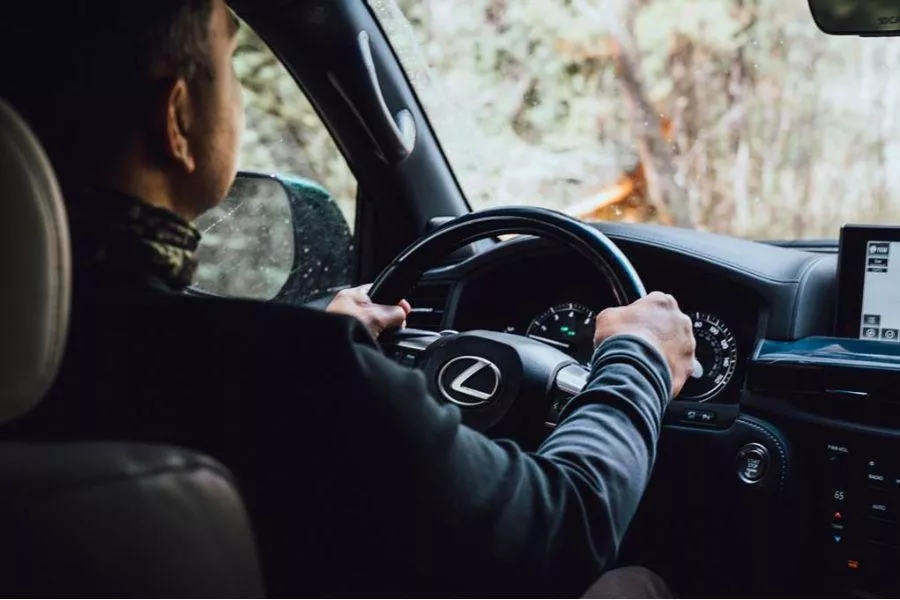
(136, 96)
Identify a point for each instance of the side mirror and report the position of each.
(274, 237)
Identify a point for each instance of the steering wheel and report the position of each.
(499, 378)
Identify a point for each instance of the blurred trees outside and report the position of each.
(739, 116)
(779, 131)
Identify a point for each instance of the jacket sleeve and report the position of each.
(487, 518)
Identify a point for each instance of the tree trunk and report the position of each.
(663, 192)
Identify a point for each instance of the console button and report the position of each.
(699, 415)
(877, 474)
(752, 463)
(852, 566)
(708, 416)
(837, 521)
(881, 505)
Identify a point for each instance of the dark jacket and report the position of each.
(359, 483)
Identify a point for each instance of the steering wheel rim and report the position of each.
(520, 375)
(407, 268)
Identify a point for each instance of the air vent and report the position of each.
(429, 302)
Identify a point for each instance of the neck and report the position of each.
(151, 185)
(119, 235)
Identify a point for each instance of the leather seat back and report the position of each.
(92, 519)
(101, 520)
(34, 266)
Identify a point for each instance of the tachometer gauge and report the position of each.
(569, 327)
(716, 359)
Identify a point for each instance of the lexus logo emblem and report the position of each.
(469, 381)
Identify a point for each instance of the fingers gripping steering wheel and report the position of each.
(484, 372)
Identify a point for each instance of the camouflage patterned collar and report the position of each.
(125, 235)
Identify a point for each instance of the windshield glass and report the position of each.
(735, 116)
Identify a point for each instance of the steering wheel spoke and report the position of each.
(407, 346)
(571, 379)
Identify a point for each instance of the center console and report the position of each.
(842, 392)
(860, 510)
(845, 394)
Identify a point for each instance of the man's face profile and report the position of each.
(205, 121)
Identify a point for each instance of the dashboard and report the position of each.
(552, 295)
(778, 461)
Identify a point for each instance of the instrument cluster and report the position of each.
(569, 326)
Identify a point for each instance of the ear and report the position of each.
(179, 118)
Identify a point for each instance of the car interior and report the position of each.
(777, 472)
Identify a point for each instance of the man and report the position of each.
(359, 483)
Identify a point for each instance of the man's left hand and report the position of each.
(376, 317)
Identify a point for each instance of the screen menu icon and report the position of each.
(870, 333)
(879, 248)
(871, 319)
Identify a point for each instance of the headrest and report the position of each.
(35, 268)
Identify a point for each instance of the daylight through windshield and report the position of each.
(735, 116)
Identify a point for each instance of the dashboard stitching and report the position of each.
(777, 443)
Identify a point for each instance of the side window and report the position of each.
(286, 229)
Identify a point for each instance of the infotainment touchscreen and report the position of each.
(868, 304)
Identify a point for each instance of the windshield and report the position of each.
(735, 116)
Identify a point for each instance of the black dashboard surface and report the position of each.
(795, 287)
(755, 290)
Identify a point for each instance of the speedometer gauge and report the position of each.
(569, 327)
(716, 357)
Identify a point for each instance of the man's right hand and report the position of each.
(656, 318)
